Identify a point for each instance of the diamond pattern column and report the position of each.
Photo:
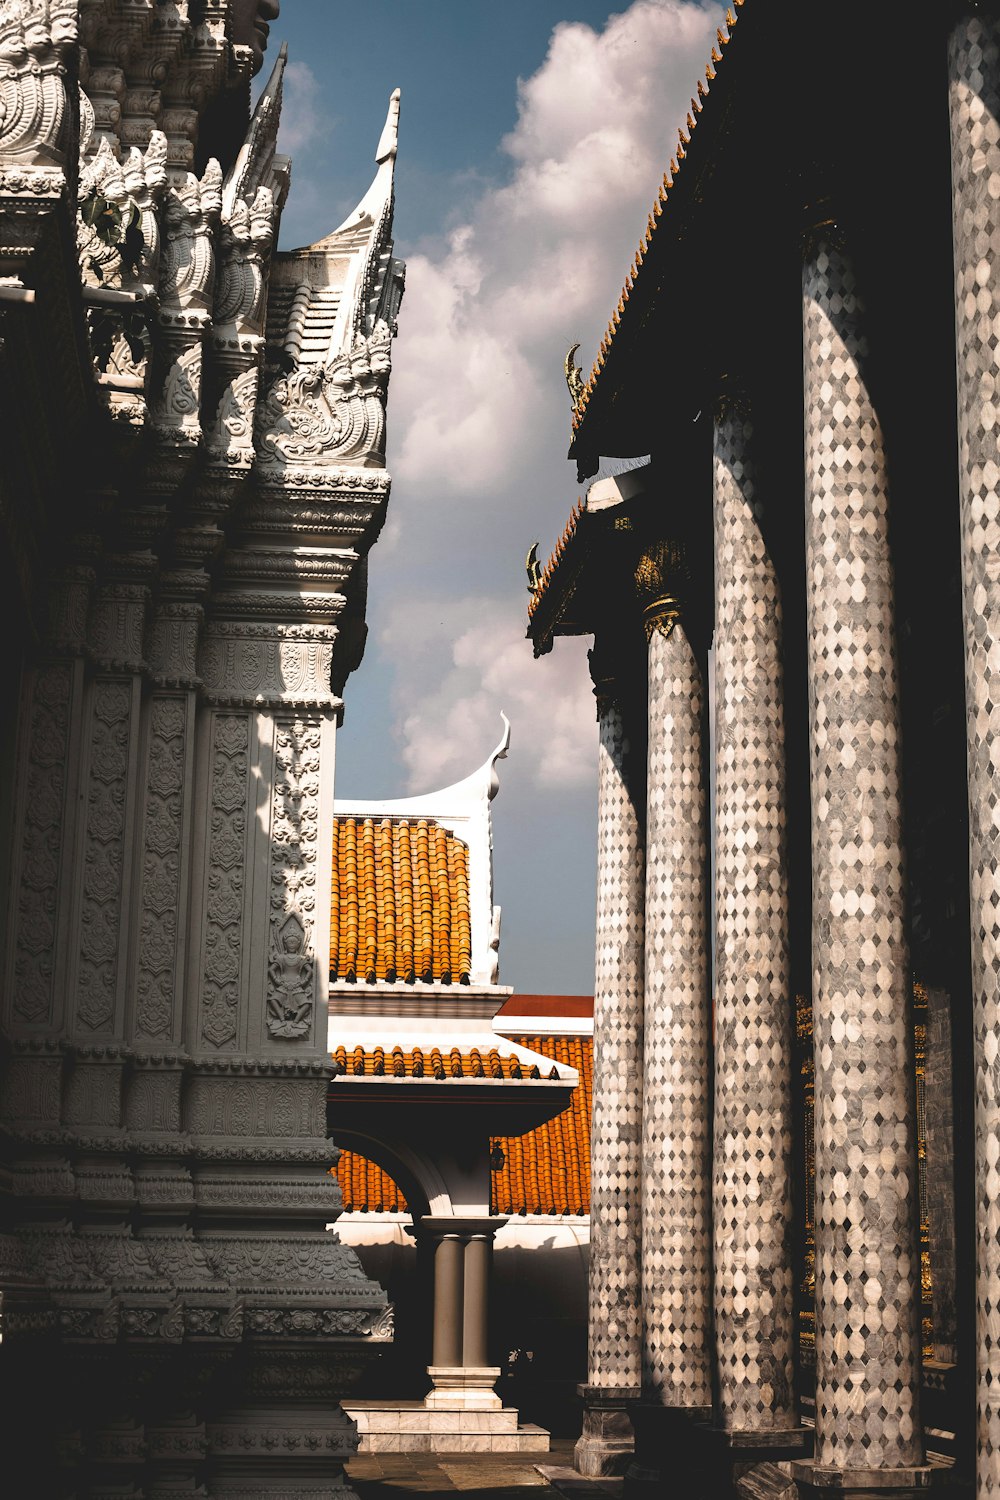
(615, 1145)
(752, 1199)
(867, 1266)
(677, 1086)
(974, 79)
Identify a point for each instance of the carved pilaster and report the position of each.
(41, 884)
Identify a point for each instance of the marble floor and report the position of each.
(480, 1476)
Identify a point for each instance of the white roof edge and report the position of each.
(457, 800)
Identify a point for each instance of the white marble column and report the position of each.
(868, 1363)
(974, 97)
(614, 1306)
(677, 1081)
(754, 1275)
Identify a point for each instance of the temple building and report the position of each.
(440, 1104)
(794, 604)
(193, 476)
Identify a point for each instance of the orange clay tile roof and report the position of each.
(433, 1063)
(544, 1172)
(400, 902)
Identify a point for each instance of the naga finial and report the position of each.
(533, 569)
(574, 376)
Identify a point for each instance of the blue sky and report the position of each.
(533, 138)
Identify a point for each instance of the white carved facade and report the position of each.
(193, 473)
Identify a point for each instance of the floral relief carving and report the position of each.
(255, 1107)
(224, 906)
(336, 411)
(291, 973)
(250, 664)
(104, 854)
(116, 627)
(156, 985)
(45, 792)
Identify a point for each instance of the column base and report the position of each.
(607, 1441)
(754, 1456)
(821, 1482)
(463, 1388)
(669, 1447)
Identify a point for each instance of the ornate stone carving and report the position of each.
(31, 1089)
(249, 1107)
(187, 263)
(280, 1261)
(230, 440)
(161, 862)
(192, 210)
(93, 1094)
(153, 1101)
(37, 38)
(173, 646)
(131, 190)
(268, 1193)
(304, 1321)
(116, 626)
(104, 854)
(335, 412)
(41, 843)
(226, 877)
(255, 665)
(291, 974)
(245, 239)
(177, 412)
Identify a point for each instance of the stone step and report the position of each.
(411, 1427)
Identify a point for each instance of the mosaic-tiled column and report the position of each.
(974, 78)
(677, 1082)
(752, 1199)
(615, 1142)
(867, 1263)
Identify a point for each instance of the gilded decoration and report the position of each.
(661, 581)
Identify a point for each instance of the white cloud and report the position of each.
(478, 411)
(303, 119)
(469, 671)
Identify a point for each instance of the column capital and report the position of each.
(731, 396)
(662, 585)
(437, 1226)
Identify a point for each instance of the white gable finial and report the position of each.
(389, 139)
(500, 753)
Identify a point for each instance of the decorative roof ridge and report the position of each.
(559, 551)
(670, 178)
